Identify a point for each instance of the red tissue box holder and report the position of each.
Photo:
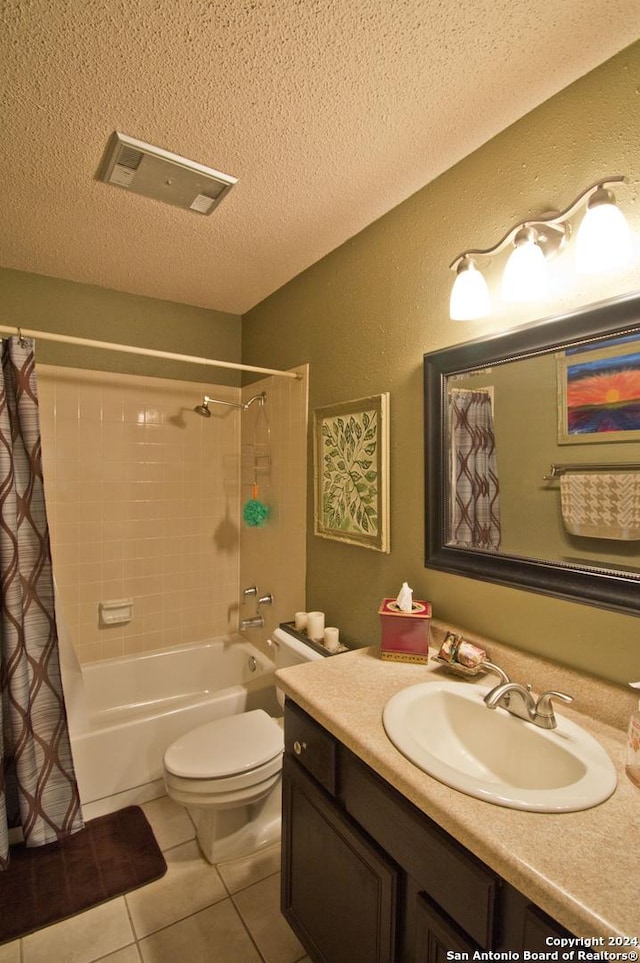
(405, 635)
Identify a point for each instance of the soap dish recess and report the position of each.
(116, 611)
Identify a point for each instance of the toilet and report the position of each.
(228, 772)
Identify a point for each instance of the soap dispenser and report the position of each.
(632, 765)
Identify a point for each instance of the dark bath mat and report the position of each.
(112, 855)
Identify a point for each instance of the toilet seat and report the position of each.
(222, 792)
(228, 753)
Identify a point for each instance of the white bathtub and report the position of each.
(137, 705)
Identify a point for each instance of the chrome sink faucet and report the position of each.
(519, 701)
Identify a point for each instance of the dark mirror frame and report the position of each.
(603, 587)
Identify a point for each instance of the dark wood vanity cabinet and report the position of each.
(340, 892)
(368, 878)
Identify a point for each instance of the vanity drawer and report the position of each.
(451, 876)
(311, 745)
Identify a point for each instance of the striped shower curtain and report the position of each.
(38, 790)
(475, 490)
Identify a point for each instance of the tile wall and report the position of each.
(273, 557)
(138, 490)
(144, 502)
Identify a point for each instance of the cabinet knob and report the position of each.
(299, 747)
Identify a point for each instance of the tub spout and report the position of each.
(257, 622)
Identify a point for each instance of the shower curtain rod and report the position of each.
(147, 352)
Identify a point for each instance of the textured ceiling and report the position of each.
(329, 113)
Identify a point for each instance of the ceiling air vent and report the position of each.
(163, 176)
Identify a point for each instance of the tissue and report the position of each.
(404, 600)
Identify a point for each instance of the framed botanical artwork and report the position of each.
(599, 392)
(351, 468)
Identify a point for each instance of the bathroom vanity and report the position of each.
(381, 862)
(367, 876)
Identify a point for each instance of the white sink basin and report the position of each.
(446, 730)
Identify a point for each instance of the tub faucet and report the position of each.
(256, 621)
(518, 700)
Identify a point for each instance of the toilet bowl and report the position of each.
(227, 773)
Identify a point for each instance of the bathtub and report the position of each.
(135, 706)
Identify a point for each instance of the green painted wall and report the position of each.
(365, 315)
(86, 311)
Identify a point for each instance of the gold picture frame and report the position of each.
(351, 472)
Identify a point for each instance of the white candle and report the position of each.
(315, 626)
(301, 621)
(331, 639)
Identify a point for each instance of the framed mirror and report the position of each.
(532, 457)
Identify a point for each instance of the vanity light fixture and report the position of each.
(603, 242)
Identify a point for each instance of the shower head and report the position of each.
(203, 409)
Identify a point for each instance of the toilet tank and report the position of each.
(288, 650)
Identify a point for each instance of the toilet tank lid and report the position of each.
(296, 649)
(224, 747)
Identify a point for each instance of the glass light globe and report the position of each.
(603, 241)
(525, 273)
(469, 294)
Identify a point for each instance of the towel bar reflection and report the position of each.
(557, 470)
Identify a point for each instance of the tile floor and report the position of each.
(228, 913)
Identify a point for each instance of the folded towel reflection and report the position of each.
(601, 504)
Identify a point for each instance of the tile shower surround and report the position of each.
(144, 500)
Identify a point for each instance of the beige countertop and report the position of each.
(582, 868)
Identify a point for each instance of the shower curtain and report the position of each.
(38, 790)
(475, 491)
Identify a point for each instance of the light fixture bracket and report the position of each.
(538, 239)
(601, 196)
(552, 237)
(553, 225)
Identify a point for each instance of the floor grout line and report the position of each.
(248, 931)
(188, 916)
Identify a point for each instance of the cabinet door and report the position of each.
(537, 928)
(338, 890)
(456, 881)
(436, 934)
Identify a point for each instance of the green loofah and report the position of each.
(255, 512)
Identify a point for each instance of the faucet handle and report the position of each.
(253, 590)
(266, 599)
(543, 705)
